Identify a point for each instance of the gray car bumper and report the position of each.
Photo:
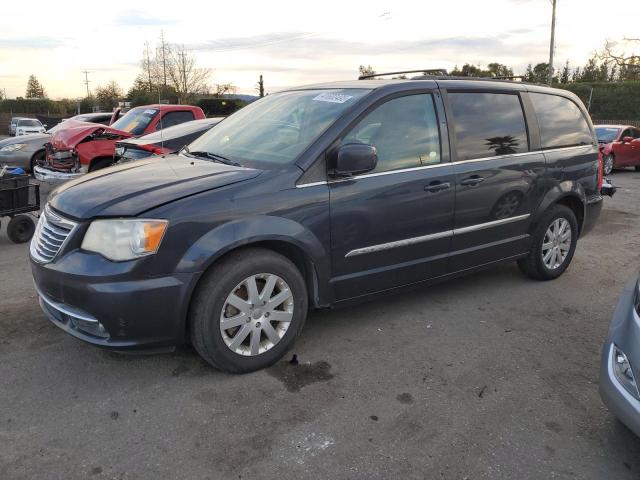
(53, 176)
(17, 159)
(624, 334)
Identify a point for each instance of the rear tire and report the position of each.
(551, 250)
(21, 228)
(230, 283)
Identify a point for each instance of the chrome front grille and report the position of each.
(51, 234)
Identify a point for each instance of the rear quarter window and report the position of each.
(561, 122)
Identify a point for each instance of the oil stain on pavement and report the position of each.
(295, 375)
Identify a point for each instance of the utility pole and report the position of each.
(86, 80)
(553, 41)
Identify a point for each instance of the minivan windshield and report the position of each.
(273, 131)
(606, 134)
(136, 120)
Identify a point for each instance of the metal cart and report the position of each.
(19, 197)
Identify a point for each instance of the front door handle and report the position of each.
(437, 186)
(472, 181)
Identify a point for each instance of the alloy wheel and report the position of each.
(556, 243)
(256, 314)
(608, 164)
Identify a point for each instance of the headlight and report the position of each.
(120, 240)
(13, 148)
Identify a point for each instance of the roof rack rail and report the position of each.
(425, 71)
(461, 77)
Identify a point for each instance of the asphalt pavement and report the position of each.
(492, 376)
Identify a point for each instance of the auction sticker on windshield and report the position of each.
(332, 97)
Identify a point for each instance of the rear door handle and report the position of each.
(437, 186)
(472, 181)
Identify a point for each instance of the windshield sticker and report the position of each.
(332, 97)
(149, 112)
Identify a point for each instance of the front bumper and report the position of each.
(624, 333)
(113, 305)
(54, 176)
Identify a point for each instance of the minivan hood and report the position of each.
(136, 187)
(75, 132)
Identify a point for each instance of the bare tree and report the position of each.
(221, 89)
(366, 70)
(617, 52)
(184, 75)
(148, 67)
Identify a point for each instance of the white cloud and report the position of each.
(292, 43)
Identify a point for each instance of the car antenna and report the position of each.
(161, 134)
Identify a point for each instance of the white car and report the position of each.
(27, 126)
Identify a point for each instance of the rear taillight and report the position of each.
(156, 150)
(600, 171)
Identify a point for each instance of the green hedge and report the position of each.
(42, 106)
(213, 107)
(609, 101)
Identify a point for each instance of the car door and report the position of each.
(392, 226)
(635, 147)
(624, 151)
(498, 180)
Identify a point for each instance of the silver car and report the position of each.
(621, 359)
(27, 150)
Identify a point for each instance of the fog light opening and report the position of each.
(624, 373)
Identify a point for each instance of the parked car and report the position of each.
(621, 358)
(13, 124)
(313, 197)
(27, 126)
(28, 151)
(619, 146)
(167, 140)
(78, 149)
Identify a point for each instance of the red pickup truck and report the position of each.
(83, 147)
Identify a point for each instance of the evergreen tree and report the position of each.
(34, 88)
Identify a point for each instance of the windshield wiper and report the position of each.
(211, 156)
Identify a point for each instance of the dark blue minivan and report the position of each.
(313, 197)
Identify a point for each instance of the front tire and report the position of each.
(608, 163)
(554, 243)
(37, 160)
(248, 310)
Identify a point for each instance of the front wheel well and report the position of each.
(576, 206)
(292, 252)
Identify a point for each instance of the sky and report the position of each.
(294, 42)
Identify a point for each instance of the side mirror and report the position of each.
(355, 158)
(627, 139)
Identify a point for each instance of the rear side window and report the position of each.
(404, 131)
(561, 122)
(488, 124)
(170, 119)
